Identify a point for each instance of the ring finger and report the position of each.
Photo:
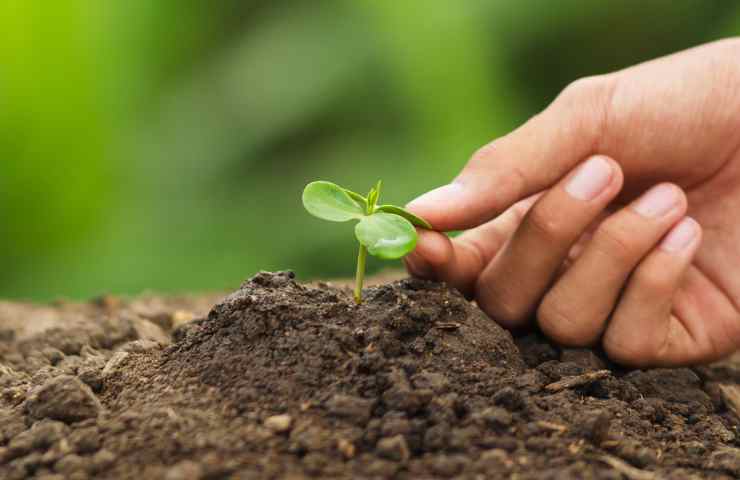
(575, 310)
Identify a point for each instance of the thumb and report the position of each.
(526, 161)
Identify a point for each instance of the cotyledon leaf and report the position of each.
(386, 235)
(356, 197)
(331, 202)
(418, 221)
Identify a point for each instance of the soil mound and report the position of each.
(283, 380)
(275, 345)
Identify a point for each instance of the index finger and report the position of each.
(528, 160)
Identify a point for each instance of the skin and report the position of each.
(648, 262)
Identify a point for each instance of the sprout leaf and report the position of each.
(418, 221)
(331, 202)
(386, 235)
(356, 197)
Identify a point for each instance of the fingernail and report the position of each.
(590, 179)
(681, 236)
(657, 201)
(444, 194)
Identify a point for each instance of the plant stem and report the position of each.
(360, 277)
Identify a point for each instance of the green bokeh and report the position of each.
(163, 145)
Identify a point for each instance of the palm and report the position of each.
(710, 292)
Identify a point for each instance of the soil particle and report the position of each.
(730, 398)
(147, 331)
(114, 364)
(637, 454)
(395, 423)
(349, 407)
(495, 418)
(400, 396)
(436, 382)
(101, 461)
(309, 437)
(140, 346)
(509, 398)
(584, 357)
(536, 350)
(279, 423)
(681, 385)
(446, 465)
(42, 434)
(727, 460)
(393, 448)
(346, 448)
(597, 427)
(70, 464)
(85, 440)
(63, 398)
(10, 427)
(52, 354)
(284, 380)
(185, 470)
(50, 476)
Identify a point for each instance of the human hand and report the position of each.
(632, 169)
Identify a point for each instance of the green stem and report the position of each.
(360, 277)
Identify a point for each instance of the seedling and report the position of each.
(384, 231)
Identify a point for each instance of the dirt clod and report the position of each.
(727, 460)
(63, 398)
(597, 427)
(349, 407)
(510, 398)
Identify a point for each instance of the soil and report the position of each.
(284, 380)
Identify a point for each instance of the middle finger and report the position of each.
(510, 288)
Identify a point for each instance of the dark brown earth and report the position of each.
(282, 380)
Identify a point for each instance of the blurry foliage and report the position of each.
(164, 144)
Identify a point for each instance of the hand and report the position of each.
(625, 173)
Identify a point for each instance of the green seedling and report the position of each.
(384, 231)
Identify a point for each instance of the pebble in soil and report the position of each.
(288, 380)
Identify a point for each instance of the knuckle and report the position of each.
(630, 354)
(623, 351)
(593, 97)
(613, 240)
(564, 321)
(654, 281)
(482, 160)
(594, 86)
(626, 346)
(546, 224)
(502, 306)
(556, 324)
(517, 180)
(477, 251)
(714, 343)
(483, 153)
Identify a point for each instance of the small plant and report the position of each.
(384, 231)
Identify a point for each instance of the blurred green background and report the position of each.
(163, 144)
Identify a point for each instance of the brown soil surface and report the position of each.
(283, 380)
